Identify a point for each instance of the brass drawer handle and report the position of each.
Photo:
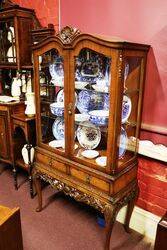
(88, 179)
(2, 134)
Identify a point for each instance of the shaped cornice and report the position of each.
(68, 34)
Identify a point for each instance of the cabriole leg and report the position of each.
(110, 217)
(129, 210)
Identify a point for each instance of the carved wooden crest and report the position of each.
(68, 34)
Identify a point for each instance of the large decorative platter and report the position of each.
(123, 140)
(126, 108)
(88, 135)
(89, 100)
(58, 128)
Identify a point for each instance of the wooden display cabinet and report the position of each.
(88, 126)
(16, 24)
(15, 37)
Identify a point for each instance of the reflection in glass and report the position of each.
(132, 71)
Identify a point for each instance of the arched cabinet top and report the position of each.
(69, 37)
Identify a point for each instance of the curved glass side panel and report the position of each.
(51, 83)
(92, 83)
(128, 139)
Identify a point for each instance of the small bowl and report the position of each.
(57, 108)
(99, 117)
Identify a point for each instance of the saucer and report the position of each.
(57, 144)
(90, 154)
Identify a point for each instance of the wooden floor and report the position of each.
(63, 224)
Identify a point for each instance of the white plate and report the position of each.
(57, 143)
(90, 154)
(88, 135)
(102, 161)
(81, 117)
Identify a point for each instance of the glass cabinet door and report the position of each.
(92, 97)
(51, 88)
(127, 140)
(7, 42)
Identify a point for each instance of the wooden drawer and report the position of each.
(50, 162)
(87, 178)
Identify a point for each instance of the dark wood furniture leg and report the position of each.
(110, 217)
(15, 177)
(29, 146)
(37, 183)
(129, 211)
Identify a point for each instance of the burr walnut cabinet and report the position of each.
(88, 98)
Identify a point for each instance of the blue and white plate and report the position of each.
(89, 100)
(56, 68)
(126, 108)
(58, 128)
(123, 140)
(88, 135)
(60, 96)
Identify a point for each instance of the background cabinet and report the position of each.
(16, 130)
(88, 122)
